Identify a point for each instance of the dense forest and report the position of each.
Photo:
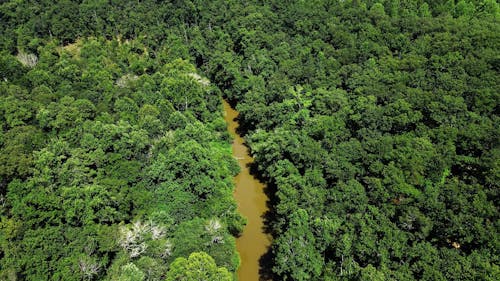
(107, 165)
(374, 125)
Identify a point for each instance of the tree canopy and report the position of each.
(373, 123)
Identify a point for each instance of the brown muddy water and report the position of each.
(251, 199)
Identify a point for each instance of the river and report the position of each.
(251, 199)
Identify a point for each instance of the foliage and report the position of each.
(199, 266)
(99, 177)
(374, 123)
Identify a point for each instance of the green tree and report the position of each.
(296, 254)
(198, 266)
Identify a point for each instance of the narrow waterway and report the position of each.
(251, 199)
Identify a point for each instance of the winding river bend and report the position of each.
(251, 199)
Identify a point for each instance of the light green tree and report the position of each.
(199, 266)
